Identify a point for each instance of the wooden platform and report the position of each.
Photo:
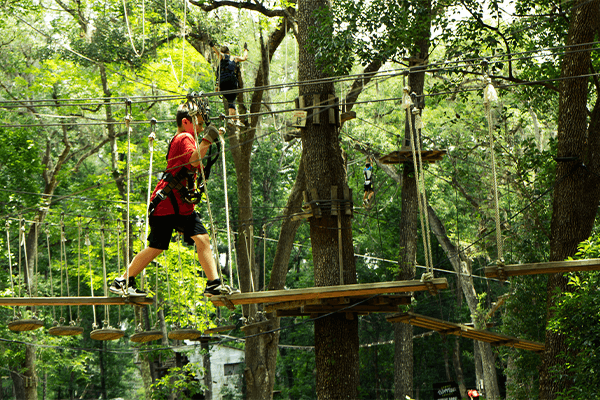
(405, 156)
(449, 328)
(551, 267)
(74, 301)
(327, 292)
(361, 305)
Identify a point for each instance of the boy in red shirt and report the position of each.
(170, 211)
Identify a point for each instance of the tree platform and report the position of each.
(361, 305)
(327, 292)
(75, 301)
(551, 267)
(445, 328)
(405, 156)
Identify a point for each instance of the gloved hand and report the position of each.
(245, 46)
(211, 43)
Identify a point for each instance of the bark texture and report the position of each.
(577, 190)
(336, 336)
(403, 350)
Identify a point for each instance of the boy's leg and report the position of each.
(205, 256)
(129, 287)
(141, 260)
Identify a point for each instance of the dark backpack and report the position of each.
(227, 70)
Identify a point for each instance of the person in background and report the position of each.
(227, 77)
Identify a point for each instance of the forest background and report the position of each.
(69, 66)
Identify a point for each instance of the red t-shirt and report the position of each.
(182, 147)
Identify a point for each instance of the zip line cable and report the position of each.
(474, 89)
(376, 74)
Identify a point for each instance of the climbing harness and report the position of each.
(183, 180)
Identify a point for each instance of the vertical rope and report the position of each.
(418, 127)
(151, 138)
(416, 167)
(128, 125)
(88, 244)
(226, 206)
(78, 264)
(183, 26)
(119, 254)
(181, 285)
(50, 271)
(62, 262)
(490, 96)
(106, 322)
(213, 231)
(10, 269)
(264, 257)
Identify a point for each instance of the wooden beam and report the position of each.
(444, 327)
(551, 267)
(328, 292)
(74, 301)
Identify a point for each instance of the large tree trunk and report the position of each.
(403, 350)
(261, 350)
(336, 336)
(577, 192)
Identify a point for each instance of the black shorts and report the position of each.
(230, 97)
(162, 226)
(368, 187)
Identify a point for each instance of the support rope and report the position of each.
(10, 269)
(128, 126)
(88, 245)
(490, 96)
(407, 104)
(143, 28)
(50, 272)
(213, 231)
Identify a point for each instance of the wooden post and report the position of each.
(316, 210)
(316, 111)
(334, 211)
(348, 200)
(331, 103)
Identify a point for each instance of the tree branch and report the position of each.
(213, 5)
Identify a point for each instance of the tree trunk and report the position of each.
(336, 336)
(460, 378)
(577, 192)
(24, 380)
(403, 349)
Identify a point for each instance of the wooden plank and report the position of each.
(324, 292)
(74, 301)
(444, 327)
(405, 156)
(551, 267)
(347, 116)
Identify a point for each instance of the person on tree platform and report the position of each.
(368, 185)
(227, 77)
(172, 204)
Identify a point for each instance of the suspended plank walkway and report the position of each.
(551, 267)
(327, 292)
(75, 301)
(406, 156)
(361, 305)
(445, 328)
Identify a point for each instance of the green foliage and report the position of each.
(180, 382)
(575, 315)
